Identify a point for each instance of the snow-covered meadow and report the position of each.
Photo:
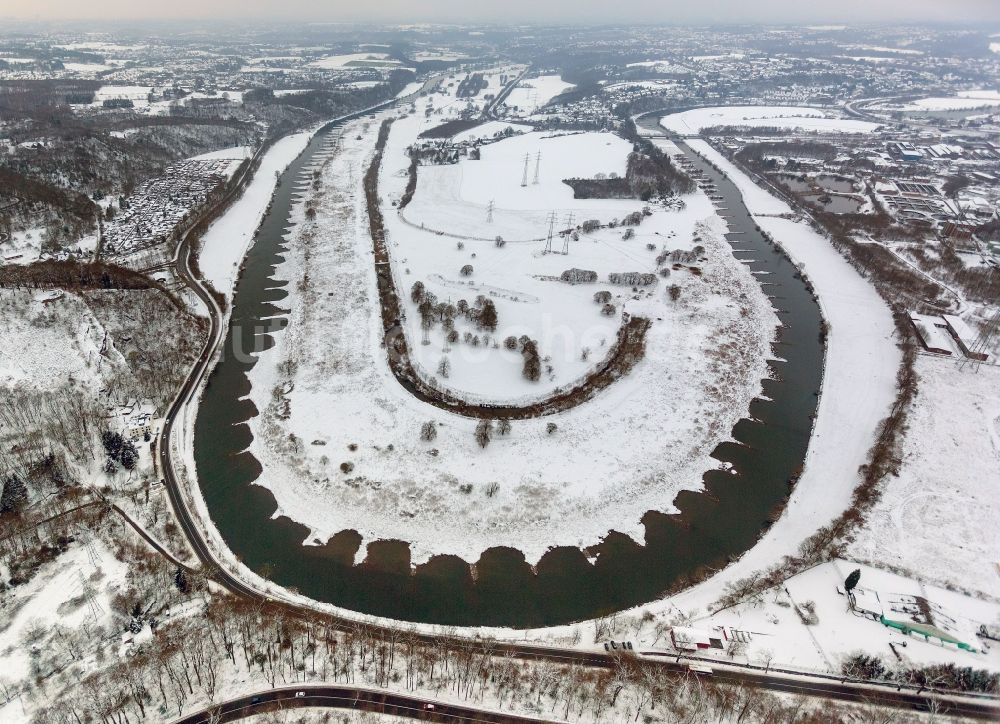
(791, 117)
(947, 482)
(629, 450)
(961, 101)
(532, 93)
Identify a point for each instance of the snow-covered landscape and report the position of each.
(807, 119)
(510, 492)
(543, 370)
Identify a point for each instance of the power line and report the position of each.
(524, 176)
(538, 162)
(489, 212)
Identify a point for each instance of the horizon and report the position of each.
(856, 13)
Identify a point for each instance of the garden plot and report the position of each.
(340, 440)
(792, 117)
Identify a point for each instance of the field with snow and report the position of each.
(792, 117)
(533, 93)
(489, 129)
(629, 450)
(947, 482)
(350, 61)
(963, 100)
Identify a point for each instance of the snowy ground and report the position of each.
(51, 338)
(225, 243)
(519, 277)
(533, 93)
(235, 153)
(806, 119)
(775, 634)
(947, 483)
(703, 365)
(964, 100)
(488, 130)
(71, 592)
(351, 61)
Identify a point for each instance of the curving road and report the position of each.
(355, 699)
(790, 682)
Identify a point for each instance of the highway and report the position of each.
(811, 685)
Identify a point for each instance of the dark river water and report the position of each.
(500, 588)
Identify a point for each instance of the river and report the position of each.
(500, 588)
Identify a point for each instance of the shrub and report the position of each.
(428, 431)
(483, 430)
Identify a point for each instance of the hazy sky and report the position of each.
(577, 11)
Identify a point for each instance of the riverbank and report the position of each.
(225, 243)
(859, 386)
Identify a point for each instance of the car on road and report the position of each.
(618, 646)
(255, 700)
(428, 707)
(300, 695)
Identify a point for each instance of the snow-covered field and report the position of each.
(354, 60)
(704, 360)
(792, 117)
(225, 243)
(488, 130)
(236, 154)
(533, 93)
(947, 482)
(963, 100)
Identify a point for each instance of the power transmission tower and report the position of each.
(552, 227)
(538, 162)
(980, 348)
(96, 610)
(489, 212)
(524, 176)
(568, 232)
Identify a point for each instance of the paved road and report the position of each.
(829, 687)
(354, 698)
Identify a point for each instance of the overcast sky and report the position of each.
(577, 11)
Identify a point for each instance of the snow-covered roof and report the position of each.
(684, 637)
